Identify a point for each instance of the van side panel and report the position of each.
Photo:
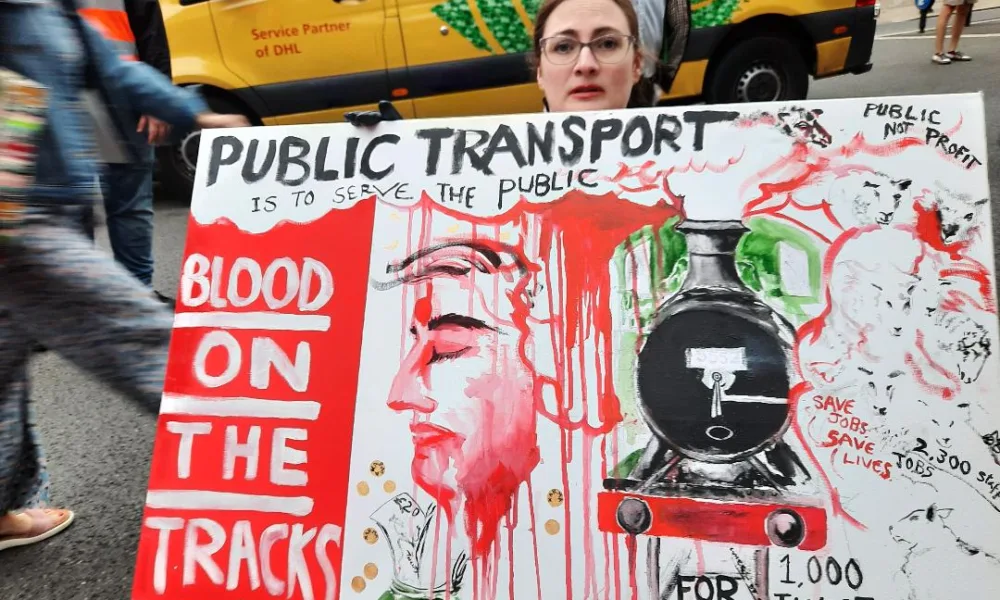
(195, 56)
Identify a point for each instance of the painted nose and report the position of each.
(409, 390)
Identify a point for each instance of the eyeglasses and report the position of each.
(609, 48)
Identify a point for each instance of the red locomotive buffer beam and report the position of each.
(745, 523)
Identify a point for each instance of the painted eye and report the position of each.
(437, 357)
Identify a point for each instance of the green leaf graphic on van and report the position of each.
(500, 16)
(712, 13)
(457, 15)
(505, 24)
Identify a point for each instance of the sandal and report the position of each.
(45, 523)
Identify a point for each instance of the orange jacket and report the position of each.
(111, 20)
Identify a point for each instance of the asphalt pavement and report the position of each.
(99, 445)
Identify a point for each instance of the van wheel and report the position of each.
(178, 162)
(761, 69)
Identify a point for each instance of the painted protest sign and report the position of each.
(636, 354)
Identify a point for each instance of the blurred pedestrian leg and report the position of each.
(80, 303)
(961, 9)
(128, 207)
(61, 289)
(136, 29)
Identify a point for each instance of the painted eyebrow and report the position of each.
(457, 320)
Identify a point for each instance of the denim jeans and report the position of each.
(128, 207)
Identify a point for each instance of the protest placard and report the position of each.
(737, 352)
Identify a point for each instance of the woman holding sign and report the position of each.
(587, 56)
(464, 379)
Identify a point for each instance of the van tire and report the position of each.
(759, 69)
(175, 177)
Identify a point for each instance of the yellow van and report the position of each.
(310, 61)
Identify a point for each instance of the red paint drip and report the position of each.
(534, 543)
(631, 543)
(579, 234)
(434, 557)
(564, 441)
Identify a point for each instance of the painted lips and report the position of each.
(428, 433)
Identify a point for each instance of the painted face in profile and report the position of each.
(463, 378)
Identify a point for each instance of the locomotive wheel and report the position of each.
(785, 528)
(634, 516)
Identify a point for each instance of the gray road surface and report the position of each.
(99, 445)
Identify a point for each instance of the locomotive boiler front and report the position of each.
(714, 378)
(713, 375)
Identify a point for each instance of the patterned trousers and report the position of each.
(58, 288)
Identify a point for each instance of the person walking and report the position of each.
(961, 9)
(135, 28)
(58, 287)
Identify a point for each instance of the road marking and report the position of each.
(176, 404)
(252, 320)
(930, 37)
(298, 506)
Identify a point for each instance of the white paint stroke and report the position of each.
(252, 320)
(742, 399)
(299, 506)
(178, 404)
(794, 270)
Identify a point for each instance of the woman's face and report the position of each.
(601, 77)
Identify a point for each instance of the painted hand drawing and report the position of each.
(407, 530)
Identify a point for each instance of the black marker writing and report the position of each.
(297, 160)
(705, 117)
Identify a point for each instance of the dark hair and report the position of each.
(643, 92)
